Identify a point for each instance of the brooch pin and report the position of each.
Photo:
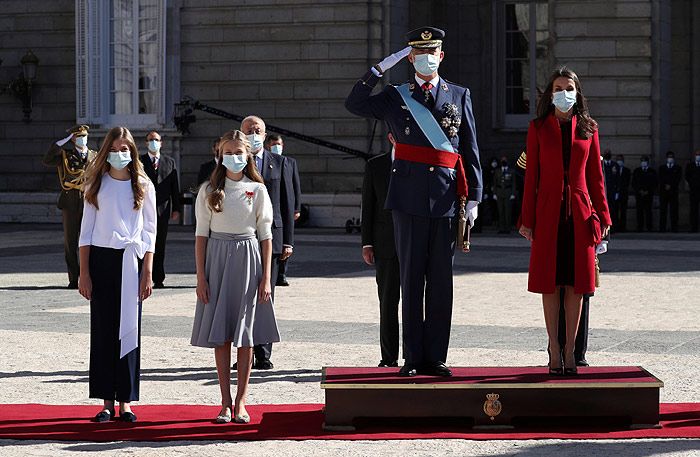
(249, 195)
(411, 86)
(452, 120)
(444, 87)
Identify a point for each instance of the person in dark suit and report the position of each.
(611, 178)
(644, 185)
(378, 249)
(621, 195)
(206, 169)
(162, 172)
(504, 194)
(428, 181)
(277, 175)
(275, 144)
(71, 156)
(670, 175)
(692, 177)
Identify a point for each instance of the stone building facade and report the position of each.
(293, 62)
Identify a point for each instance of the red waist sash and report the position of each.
(436, 157)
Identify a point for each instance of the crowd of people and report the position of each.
(416, 202)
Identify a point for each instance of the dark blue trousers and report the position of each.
(111, 377)
(425, 247)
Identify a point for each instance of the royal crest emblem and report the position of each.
(411, 86)
(492, 407)
(426, 35)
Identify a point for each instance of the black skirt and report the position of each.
(565, 249)
(111, 377)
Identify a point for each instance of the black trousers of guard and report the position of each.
(668, 200)
(388, 278)
(71, 234)
(263, 352)
(694, 204)
(111, 377)
(159, 254)
(581, 344)
(425, 247)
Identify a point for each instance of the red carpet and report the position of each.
(287, 422)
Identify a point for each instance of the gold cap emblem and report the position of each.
(426, 35)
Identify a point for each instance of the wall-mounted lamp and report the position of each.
(21, 87)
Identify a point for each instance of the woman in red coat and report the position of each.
(564, 211)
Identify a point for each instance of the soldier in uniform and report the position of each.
(436, 154)
(504, 194)
(71, 156)
(619, 206)
(644, 185)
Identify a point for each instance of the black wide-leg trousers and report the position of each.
(111, 377)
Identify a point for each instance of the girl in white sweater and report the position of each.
(234, 220)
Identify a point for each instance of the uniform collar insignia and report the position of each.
(444, 86)
(411, 86)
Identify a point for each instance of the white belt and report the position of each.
(134, 249)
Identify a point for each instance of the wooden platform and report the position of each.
(492, 397)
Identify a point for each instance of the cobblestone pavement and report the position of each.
(645, 313)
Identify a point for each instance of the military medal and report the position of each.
(407, 131)
(452, 120)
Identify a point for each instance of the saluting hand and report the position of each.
(393, 59)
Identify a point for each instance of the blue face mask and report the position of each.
(119, 160)
(256, 141)
(670, 161)
(234, 162)
(154, 146)
(564, 100)
(81, 141)
(621, 163)
(426, 64)
(276, 149)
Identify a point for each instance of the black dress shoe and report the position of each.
(282, 281)
(582, 363)
(104, 416)
(72, 285)
(159, 285)
(263, 365)
(234, 366)
(408, 371)
(127, 417)
(384, 364)
(436, 369)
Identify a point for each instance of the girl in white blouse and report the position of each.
(117, 233)
(234, 219)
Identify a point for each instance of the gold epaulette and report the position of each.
(522, 160)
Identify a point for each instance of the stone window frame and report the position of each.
(93, 72)
(501, 118)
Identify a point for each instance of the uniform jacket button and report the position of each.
(394, 170)
(431, 168)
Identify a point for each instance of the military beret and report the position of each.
(79, 130)
(425, 37)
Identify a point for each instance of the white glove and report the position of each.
(472, 210)
(390, 61)
(512, 197)
(60, 143)
(495, 197)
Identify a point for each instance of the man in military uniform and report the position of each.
(504, 194)
(436, 154)
(692, 176)
(621, 195)
(70, 156)
(644, 185)
(670, 175)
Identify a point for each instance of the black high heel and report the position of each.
(570, 371)
(555, 371)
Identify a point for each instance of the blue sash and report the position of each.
(425, 120)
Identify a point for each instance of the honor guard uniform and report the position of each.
(504, 193)
(436, 155)
(71, 162)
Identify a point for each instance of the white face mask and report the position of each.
(276, 149)
(670, 160)
(234, 162)
(697, 159)
(81, 141)
(564, 100)
(154, 146)
(426, 64)
(256, 141)
(644, 164)
(119, 160)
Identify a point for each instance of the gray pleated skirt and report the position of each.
(233, 269)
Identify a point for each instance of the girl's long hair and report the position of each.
(585, 125)
(217, 181)
(99, 166)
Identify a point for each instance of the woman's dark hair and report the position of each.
(585, 125)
